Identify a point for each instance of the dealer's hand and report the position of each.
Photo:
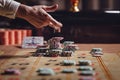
(38, 16)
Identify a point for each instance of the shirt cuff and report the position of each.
(13, 7)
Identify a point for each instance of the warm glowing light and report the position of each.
(74, 5)
(113, 12)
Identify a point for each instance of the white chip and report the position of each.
(68, 62)
(56, 50)
(45, 71)
(87, 73)
(68, 42)
(69, 70)
(85, 68)
(96, 50)
(95, 54)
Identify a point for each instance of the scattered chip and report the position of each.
(85, 62)
(87, 78)
(68, 62)
(69, 70)
(96, 52)
(87, 73)
(85, 68)
(12, 72)
(45, 71)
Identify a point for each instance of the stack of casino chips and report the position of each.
(41, 51)
(69, 48)
(54, 43)
(67, 53)
(54, 46)
(13, 36)
(53, 52)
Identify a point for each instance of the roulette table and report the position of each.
(106, 67)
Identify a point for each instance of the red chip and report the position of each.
(13, 36)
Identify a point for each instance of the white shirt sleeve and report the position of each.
(8, 8)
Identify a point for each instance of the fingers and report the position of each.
(55, 24)
(47, 18)
(39, 17)
(58, 29)
(50, 8)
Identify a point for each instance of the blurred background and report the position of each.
(83, 4)
(91, 24)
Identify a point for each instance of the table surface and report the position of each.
(106, 67)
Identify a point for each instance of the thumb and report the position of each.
(50, 8)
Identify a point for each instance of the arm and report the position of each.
(8, 8)
(36, 15)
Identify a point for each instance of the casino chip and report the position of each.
(11, 72)
(67, 70)
(68, 62)
(96, 52)
(87, 73)
(87, 78)
(40, 51)
(85, 68)
(85, 62)
(66, 43)
(45, 71)
(53, 52)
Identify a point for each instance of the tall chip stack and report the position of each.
(13, 36)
